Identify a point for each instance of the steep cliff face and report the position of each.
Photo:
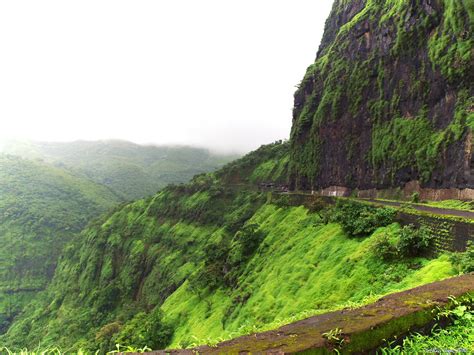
(389, 98)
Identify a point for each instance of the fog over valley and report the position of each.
(209, 73)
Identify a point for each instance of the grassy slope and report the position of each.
(302, 267)
(41, 208)
(152, 253)
(132, 170)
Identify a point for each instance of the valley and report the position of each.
(131, 170)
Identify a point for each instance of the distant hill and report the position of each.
(131, 170)
(41, 208)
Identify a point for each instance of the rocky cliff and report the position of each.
(389, 98)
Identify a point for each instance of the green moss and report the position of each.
(407, 142)
(453, 204)
(342, 81)
(451, 47)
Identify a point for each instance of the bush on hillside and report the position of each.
(145, 330)
(215, 267)
(359, 219)
(464, 262)
(104, 337)
(5, 322)
(415, 197)
(245, 243)
(414, 241)
(224, 260)
(385, 247)
(409, 241)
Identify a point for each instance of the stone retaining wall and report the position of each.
(450, 234)
(404, 193)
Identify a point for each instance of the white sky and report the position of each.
(215, 73)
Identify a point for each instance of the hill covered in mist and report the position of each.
(131, 170)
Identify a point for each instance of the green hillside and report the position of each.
(214, 259)
(388, 102)
(131, 170)
(41, 209)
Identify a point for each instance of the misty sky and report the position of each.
(215, 73)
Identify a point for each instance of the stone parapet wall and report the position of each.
(412, 187)
(404, 193)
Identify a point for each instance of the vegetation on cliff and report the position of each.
(389, 98)
(458, 337)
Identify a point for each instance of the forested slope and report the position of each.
(41, 209)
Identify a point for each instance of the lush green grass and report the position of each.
(269, 163)
(210, 260)
(302, 267)
(58, 351)
(456, 338)
(128, 262)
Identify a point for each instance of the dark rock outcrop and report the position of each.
(389, 99)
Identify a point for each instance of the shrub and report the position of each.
(145, 330)
(245, 243)
(215, 267)
(385, 247)
(414, 241)
(464, 262)
(415, 197)
(223, 260)
(5, 322)
(409, 241)
(108, 330)
(359, 219)
(107, 298)
(104, 337)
